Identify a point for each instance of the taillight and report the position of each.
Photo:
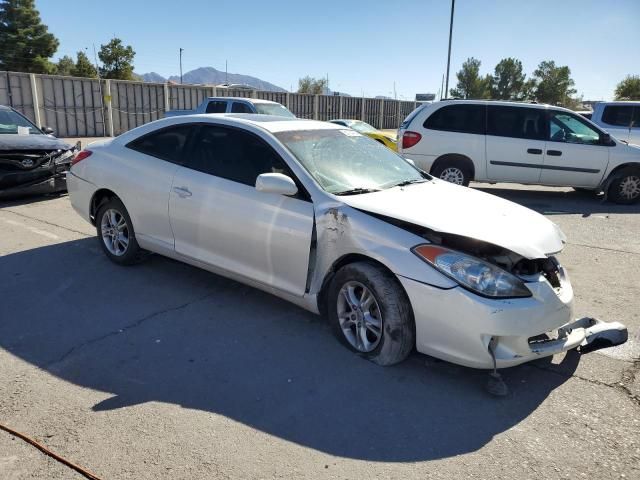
(409, 139)
(81, 155)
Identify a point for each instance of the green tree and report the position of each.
(83, 67)
(508, 81)
(470, 83)
(316, 86)
(25, 42)
(117, 60)
(629, 88)
(65, 66)
(554, 84)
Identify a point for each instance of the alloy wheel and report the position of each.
(115, 232)
(452, 175)
(630, 187)
(359, 316)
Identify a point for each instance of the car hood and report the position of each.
(448, 208)
(32, 142)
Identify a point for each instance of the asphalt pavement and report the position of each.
(163, 370)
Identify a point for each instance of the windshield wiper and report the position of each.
(356, 191)
(408, 182)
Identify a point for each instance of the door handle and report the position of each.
(534, 151)
(554, 153)
(183, 192)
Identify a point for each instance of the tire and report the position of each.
(453, 170)
(383, 331)
(114, 212)
(624, 187)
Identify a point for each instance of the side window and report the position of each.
(216, 106)
(568, 128)
(617, 115)
(234, 155)
(636, 117)
(516, 122)
(458, 118)
(166, 144)
(239, 107)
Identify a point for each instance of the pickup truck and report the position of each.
(620, 119)
(235, 105)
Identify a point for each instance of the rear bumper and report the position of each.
(80, 194)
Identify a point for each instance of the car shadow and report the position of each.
(164, 331)
(559, 201)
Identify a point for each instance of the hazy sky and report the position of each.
(364, 46)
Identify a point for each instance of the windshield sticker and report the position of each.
(351, 133)
(23, 131)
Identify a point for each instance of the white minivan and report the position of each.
(496, 141)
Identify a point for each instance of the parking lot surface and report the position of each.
(165, 371)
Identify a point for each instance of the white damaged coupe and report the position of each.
(335, 222)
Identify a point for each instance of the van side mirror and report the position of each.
(276, 183)
(48, 130)
(605, 139)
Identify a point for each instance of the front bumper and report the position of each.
(39, 181)
(457, 325)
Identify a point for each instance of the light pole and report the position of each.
(181, 50)
(446, 91)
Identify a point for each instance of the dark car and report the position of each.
(31, 160)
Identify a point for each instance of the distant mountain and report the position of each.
(211, 76)
(153, 77)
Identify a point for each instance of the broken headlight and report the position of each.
(472, 273)
(64, 156)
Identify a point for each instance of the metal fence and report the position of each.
(87, 107)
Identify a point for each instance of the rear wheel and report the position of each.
(116, 234)
(624, 188)
(371, 314)
(453, 171)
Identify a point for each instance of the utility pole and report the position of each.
(446, 91)
(442, 87)
(181, 50)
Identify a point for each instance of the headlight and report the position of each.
(472, 273)
(61, 158)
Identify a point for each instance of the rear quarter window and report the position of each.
(166, 144)
(458, 118)
(617, 115)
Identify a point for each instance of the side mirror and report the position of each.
(605, 139)
(48, 130)
(276, 183)
(410, 161)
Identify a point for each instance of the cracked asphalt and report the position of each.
(165, 371)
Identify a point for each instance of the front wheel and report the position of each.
(371, 314)
(625, 187)
(116, 234)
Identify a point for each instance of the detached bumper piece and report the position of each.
(587, 334)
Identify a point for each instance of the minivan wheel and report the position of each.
(116, 234)
(625, 187)
(371, 314)
(453, 171)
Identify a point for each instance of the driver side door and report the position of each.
(219, 218)
(574, 155)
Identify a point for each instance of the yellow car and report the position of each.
(387, 139)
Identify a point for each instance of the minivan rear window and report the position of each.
(617, 115)
(458, 118)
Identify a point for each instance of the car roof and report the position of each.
(246, 99)
(272, 123)
(511, 103)
(5, 107)
(269, 123)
